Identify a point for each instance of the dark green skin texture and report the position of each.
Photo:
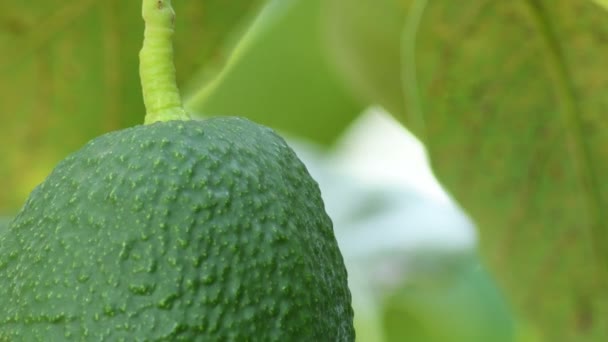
(198, 230)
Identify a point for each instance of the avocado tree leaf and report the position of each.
(363, 42)
(463, 306)
(69, 72)
(513, 98)
(279, 76)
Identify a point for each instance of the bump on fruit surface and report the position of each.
(199, 230)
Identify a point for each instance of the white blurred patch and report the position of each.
(393, 221)
(377, 150)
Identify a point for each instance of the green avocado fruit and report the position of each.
(180, 230)
(4, 224)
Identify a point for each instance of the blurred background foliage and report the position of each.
(507, 97)
(69, 72)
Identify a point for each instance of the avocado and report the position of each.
(4, 224)
(180, 230)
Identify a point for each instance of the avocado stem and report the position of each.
(156, 70)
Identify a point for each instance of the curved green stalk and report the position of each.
(156, 69)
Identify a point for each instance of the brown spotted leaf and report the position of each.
(514, 103)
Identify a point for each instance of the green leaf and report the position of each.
(69, 72)
(513, 95)
(279, 76)
(363, 41)
(462, 307)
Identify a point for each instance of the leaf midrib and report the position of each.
(572, 121)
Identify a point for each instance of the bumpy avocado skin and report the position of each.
(200, 230)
